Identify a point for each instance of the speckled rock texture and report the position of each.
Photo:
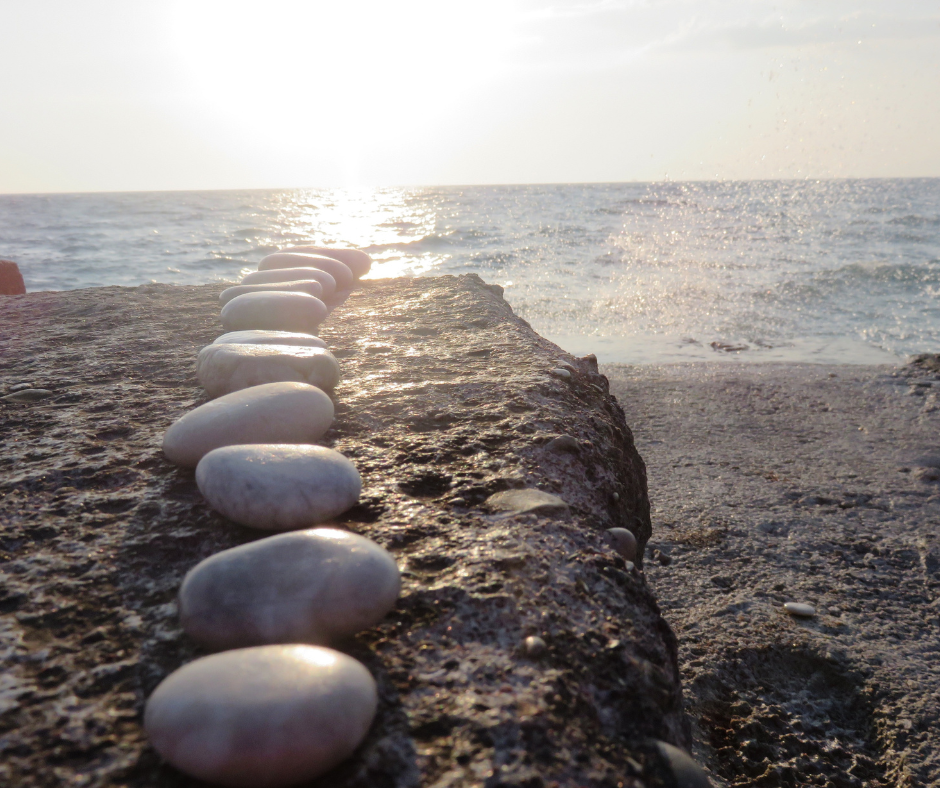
(799, 483)
(446, 399)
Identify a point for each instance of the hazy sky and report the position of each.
(133, 95)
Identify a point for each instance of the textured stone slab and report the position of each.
(271, 311)
(327, 282)
(443, 400)
(358, 261)
(268, 716)
(269, 338)
(278, 487)
(316, 586)
(225, 368)
(339, 271)
(270, 413)
(311, 287)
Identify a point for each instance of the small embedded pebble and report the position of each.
(267, 716)
(27, 395)
(225, 368)
(269, 338)
(315, 586)
(563, 443)
(278, 487)
(799, 609)
(327, 282)
(310, 287)
(267, 310)
(534, 646)
(339, 271)
(358, 261)
(623, 541)
(270, 413)
(524, 501)
(20, 387)
(687, 773)
(558, 372)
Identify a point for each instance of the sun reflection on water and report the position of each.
(389, 224)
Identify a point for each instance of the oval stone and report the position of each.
(225, 368)
(267, 716)
(271, 413)
(799, 609)
(278, 487)
(316, 586)
(339, 271)
(268, 311)
(310, 287)
(327, 282)
(623, 541)
(269, 338)
(358, 261)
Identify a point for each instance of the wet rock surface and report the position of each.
(446, 398)
(773, 484)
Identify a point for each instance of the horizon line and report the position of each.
(472, 185)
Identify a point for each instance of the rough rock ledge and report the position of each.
(447, 398)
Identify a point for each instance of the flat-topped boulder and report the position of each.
(446, 398)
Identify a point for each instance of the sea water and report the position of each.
(843, 271)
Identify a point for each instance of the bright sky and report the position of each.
(114, 95)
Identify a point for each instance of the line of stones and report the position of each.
(275, 705)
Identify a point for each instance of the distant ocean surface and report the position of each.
(813, 271)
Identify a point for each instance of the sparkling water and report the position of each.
(825, 271)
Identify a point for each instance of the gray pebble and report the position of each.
(310, 287)
(327, 282)
(316, 586)
(338, 270)
(269, 338)
(623, 541)
(27, 395)
(270, 413)
(268, 310)
(799, 609)
(278, 487)
(225, 368)
(534, 646)
(563, 443)
(267, 716)
(687, 773)
(558, 372)
(522, 501)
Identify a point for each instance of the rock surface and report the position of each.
(317, 586)
(224, 368)
(278, 487)
(270, 413)
(262, 717)
(11, 280)
(445, 400)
